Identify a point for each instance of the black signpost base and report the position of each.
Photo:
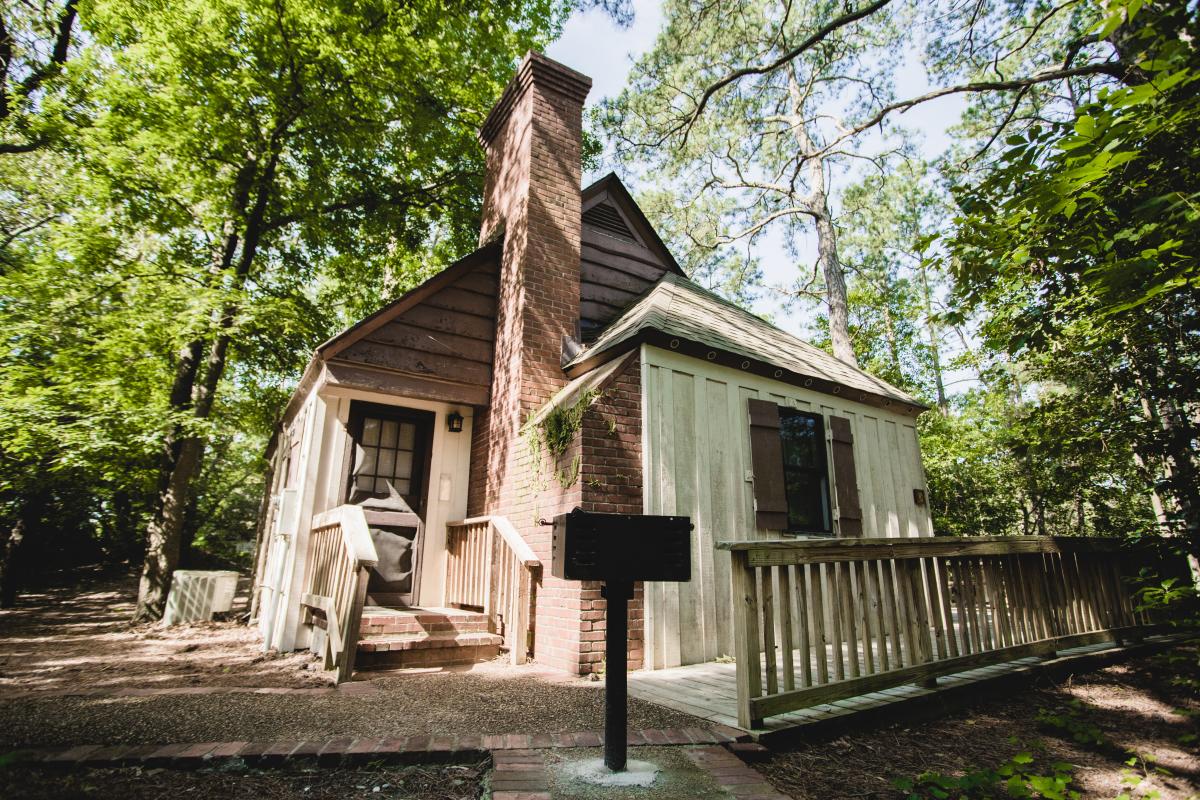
(616, 687)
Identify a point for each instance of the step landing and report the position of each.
(424, 637)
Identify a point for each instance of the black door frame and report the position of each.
(422, 466)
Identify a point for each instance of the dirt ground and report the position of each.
(64, 639)
(1145, 710)
(435, 782)
(73, 671)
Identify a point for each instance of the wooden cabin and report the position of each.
(567, 362)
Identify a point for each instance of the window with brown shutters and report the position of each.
(766, 449)
(844, 477)
(791, 471)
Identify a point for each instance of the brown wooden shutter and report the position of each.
(844, 478)
(766, 451)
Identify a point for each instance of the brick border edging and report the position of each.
(352, 750)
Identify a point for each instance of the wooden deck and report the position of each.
(709, 691)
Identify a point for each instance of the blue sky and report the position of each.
(593, 45)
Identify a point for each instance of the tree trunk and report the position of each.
(817, 206)
(934, 343)
(28, 520)
(165, 533)
(8, 563)
(889, 332)
(835, 289)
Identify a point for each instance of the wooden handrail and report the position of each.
(512, 538)
(356, 534)
(492, 569)
(805, 550)
(340, 555)
(826, 619)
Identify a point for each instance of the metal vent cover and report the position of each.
(605, 218)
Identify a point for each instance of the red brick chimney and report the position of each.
(533, 139)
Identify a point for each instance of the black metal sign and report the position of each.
(619, 549)
(588, 546)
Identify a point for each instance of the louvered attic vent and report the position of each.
(607, 220)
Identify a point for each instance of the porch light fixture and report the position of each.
(454, 422)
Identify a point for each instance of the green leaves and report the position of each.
(269, 171)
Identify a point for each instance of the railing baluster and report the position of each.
(864, 609)
(834, 598)
(820, 638)
(803, 613)
(891, 606)
(785, 627)
(849, 614)
(767, 603)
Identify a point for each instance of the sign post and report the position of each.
(616, 679)
(619, 549)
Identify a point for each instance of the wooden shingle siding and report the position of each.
(448, 336)
(691, 401)
(613, 273)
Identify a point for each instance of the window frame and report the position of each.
(422, 447)
(822, 472)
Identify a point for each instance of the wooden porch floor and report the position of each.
(709, 691)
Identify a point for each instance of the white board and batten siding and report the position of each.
(697, 463)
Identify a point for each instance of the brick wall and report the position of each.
(611, 481)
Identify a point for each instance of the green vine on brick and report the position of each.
(552, 435)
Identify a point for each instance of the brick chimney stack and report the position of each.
(533, 139)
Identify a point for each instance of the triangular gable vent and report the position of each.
(607, 220)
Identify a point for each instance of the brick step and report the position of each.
(392, 621)
(441, 648)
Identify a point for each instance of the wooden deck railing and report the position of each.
(822, 620)
(490, 568)
(340, 553)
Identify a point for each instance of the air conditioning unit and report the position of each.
(198, 594)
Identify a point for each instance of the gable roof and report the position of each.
(610, 187)
(680, 315)
(367, 325)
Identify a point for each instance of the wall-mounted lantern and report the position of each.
(454, 422)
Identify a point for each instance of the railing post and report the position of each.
(746, 642)
(519, 652)
(353, 626)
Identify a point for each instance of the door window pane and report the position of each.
(387, 463)
(387, 435)
(384, 459)
(370, 433)
(408, 435)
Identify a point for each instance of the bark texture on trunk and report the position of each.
(835, 289)
(193, 393)
(163, 534)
